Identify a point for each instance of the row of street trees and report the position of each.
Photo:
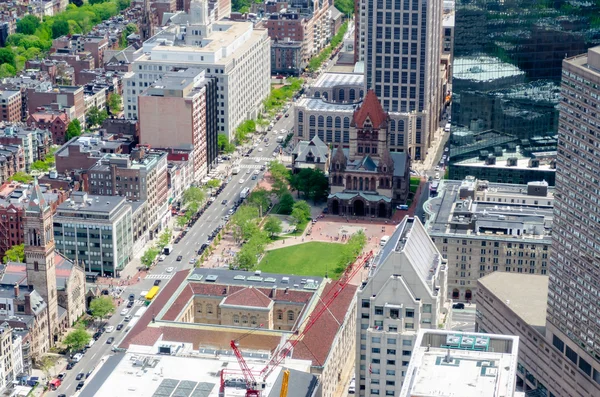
(100, 307)
(151, 253)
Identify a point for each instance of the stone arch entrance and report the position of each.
(381, 210)
(335, 207)
(468, 295)
(455, 293)
(358, 208)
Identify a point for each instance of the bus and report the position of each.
(244, 193)
(152, 293)
(433, 188)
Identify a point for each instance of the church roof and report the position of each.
(370, 108)
(349, 195)
(315, 146)
(249, 297)
(37, 202)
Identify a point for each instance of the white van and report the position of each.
(447, 128)
(384, 240)
(91, 343)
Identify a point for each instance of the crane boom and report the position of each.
(289, 345)
(251, 385)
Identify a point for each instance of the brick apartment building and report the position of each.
(52, 120)
(10, 104)
(46, 94)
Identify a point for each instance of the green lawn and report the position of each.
(308, 259)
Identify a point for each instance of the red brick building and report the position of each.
(10, 104)
(54, 121)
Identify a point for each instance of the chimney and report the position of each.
(16, 290)
(274, 292)
(27, 304)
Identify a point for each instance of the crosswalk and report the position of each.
(139, 302)
(263, 159)
(251, 166)
(159, 276)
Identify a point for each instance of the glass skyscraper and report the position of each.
(506, 81)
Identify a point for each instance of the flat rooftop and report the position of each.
(327, 80)
(89, 203)
(446, 363)
(525, 294)
(318, 104)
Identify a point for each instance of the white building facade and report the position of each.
(405, 292)
(233, 53)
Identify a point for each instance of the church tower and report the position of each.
(39, 253)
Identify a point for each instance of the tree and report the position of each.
(73, 129)
(40, 165)
(77, 339)
(213, 183)
(164, 239)
(244, 222)
(149, 256)
(182, 221)
(96, 116)
(21, 177)
(7, 56)
(7, 70)
(115, 103)
(273, 225)
(224, 145)
(259, 198)
(78, 3)
(311, 182)
(303, 207)
(16, 253)
(193, 195)
(346, 7)
(297, 216)
(286, 203)
(46, 363)
(60, 28)
(28, 24)
(102, 306)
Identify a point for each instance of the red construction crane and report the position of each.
(252, 386)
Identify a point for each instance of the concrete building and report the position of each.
(405, 292)
(11, 357)
(516, 304)
(573, 326)
(172, 115)
(402, 46)
(448, 41)
(481, 227)
(460, 364)
(35, 142)
(233, 53)
(95, 232)
(203, 309)
(10, 106)
(367, 179)
(139, 176)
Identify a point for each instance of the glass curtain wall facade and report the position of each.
(507, 69)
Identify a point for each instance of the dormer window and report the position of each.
(337, 166)
(384, 168)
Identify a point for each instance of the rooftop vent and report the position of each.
(212, 278)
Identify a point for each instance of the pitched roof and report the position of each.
(370, 108)
(37, 202)
(250, 297)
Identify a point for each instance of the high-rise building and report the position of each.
(505, 82)
(573, 324)
(404, 293)
(402, 47)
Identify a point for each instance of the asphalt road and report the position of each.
(187, 248)
(464, 319)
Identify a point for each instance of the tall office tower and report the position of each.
(505, 84)
(405, 292)
(573, 324)
(402, 40)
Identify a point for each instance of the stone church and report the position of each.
(47, 292)
(366, 179)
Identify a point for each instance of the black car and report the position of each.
(97, 336)
(70, 365)
(157, 282)
(130, 304)
(458, 306)
(224, 202)
(80, 376)
(179, 258)
(80, 385)
(119, 327)
(132, 297)
(110, 340)
(62, 395)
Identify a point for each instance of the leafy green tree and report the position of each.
(7, 70)
(224, 145)
(182, 221)
(73, 129)
(259, 198)
(311, 182)
(102, 306)
(286, 203)
(281, 176)
(115, 103)
(346, 7)
(7, 56)
(164, 239)
(297, 216)
(60, 28)
(78, 3)
(96, 116)
(193, 195)
(149, 256)
(21, 177)
(303, 207)
(244, 222)
(273, 225)
(16, 253)
(28, 24)
(77, 339)
(40, 165)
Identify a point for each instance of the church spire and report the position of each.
(37, 202)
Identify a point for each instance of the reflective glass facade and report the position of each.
(507, 69)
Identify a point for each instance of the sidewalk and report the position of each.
(439, 140)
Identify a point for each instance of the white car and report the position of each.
(162, 258)
(446, 149)
(170, 269)
(124, 312)
(275, 154)
(110, 328)
(242, 181)
(260, 149)
(256, 172)
(249, 171)
(192, 261)
(257, 160)
(437, 167)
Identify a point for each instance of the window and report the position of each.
(410, 313)
(375, 339)
(427, 308)
(365, 303)
(391, 341)
(406, 352)
(390, 383)
(245, 320)
(279, 314)
(394, 313)
(290, 315)
(375, 350)
(391, 351)
(253, 320)
(379, 310)
(209, 309)
(36, 266)
(406, 342)
(391, 362)
(236, 319)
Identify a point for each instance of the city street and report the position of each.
(464, 319)
(187, 248)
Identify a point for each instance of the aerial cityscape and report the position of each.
(303, 198)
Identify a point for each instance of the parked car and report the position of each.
(110, 340)
(80, 385)
(62, 376)
(458, 306)
(119, 326)
(70, 365)
(124, 312)
(80, 376)
(110, 329)
(130, 304)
